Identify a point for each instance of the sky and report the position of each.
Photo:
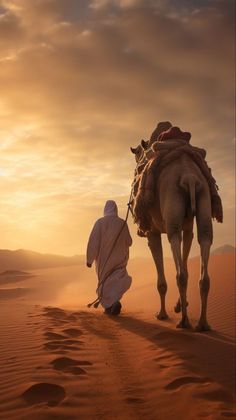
(83, 80)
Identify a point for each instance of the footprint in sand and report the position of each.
(65, 340)
(72, 332)
(185, 380)
(66, 364)
(54, 336)
(60, 317)
(63, 345)
(51, 394)
(58, 341)
(70, 341)
(57, 313)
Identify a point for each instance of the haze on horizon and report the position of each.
(81, 82)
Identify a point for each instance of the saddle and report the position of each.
(158, 157)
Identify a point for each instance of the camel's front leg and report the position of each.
(154, 243)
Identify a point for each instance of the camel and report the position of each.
(182, 193)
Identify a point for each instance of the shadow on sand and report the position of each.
(210, 354)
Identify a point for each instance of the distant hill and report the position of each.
(224, 249)
(14, 273)
(23, 259)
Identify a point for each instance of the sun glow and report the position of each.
(83, 85)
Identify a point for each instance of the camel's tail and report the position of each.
(189, 183)
(192, 192)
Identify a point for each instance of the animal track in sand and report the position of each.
(72, 341)
(60, 345)
(185, 380)
(59, 316)
(66, 364)
(55, 313)
(44, 392)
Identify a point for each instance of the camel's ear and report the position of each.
(144, 144)
(133, 150)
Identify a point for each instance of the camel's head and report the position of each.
(138, 152)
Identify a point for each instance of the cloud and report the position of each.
(83, 81)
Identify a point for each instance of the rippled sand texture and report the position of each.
(63, 361)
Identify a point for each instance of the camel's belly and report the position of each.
(159, 225)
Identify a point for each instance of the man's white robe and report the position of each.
(101, 240)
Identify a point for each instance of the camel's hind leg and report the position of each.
(181, 277)
(204, 285)
(187, 242)
(154, 243)
(205, 236)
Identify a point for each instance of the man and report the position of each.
(108, 246)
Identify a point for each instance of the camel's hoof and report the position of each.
(184, 323)
(202, 326)
(162, 315)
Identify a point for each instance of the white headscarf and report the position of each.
(110, 208)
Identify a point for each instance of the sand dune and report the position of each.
(13, 293)
(137, 365)
(60, 360)
(25, 259)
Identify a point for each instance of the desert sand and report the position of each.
(61, 360)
